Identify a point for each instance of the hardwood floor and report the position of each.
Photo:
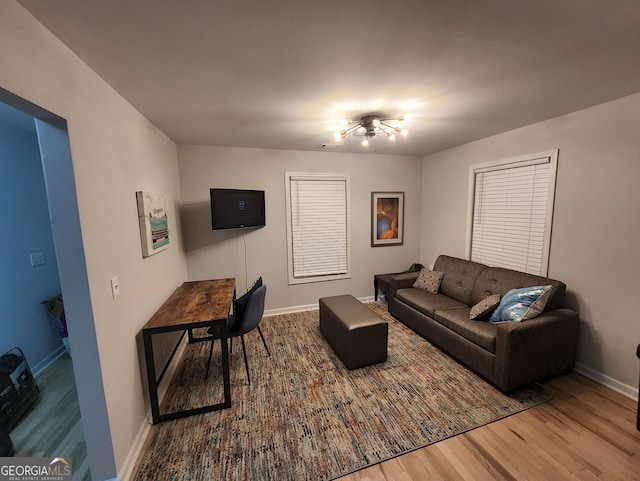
(586, 432)
(52, 427)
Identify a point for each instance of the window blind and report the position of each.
(511, 215)
(318, 227)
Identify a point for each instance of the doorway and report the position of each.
(64, 222)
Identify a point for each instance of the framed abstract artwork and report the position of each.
(153, 217)
(387, 218)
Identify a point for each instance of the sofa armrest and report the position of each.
(401, 281)
(536, 348)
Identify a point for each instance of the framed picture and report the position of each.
(387, 218)
(153, 210)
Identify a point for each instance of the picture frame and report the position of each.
(387, 218)
(153, 218)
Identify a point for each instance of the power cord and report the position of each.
(246, 275)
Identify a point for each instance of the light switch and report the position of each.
(37, 259)
(115, 286)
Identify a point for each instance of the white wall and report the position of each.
(594, 245)
(221, 254)
(115, 151)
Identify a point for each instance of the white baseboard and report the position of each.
(126, 470)
(600, 378)
(43, 365)
(307, 307)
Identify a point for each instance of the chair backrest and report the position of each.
(253, 312)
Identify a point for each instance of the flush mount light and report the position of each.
(369, 126)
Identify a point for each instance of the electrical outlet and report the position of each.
(115, 286)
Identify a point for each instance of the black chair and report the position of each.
(250, 320)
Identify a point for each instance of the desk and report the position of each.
(192, 305)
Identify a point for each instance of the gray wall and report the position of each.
(115, 152)
(26, 229)
(596, 225)
(221, 254)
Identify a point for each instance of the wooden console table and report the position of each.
(192, 305)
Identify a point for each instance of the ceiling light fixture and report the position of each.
(369, 126)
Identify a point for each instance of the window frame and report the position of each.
(521, 161)
(315, 176)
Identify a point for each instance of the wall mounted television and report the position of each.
(236, 208)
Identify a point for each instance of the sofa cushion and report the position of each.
(496, 280)
(426, 302)
(521, 304)
(428, 281)
(482, 334)
(459, 277)
(483, 309)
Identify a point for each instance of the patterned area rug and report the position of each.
(306, 417)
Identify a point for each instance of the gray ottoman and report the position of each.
(356, 333)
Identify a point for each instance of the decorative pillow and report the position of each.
(521, 304)
(483, 309)
(429, 281)
(240, 304)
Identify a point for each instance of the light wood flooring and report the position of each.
(52, 427)
(586, 432)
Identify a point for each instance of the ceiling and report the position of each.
(281, 74)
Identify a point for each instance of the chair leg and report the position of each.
(209, 361)
(246, 364)
(263, 341)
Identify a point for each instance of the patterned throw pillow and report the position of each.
(429, 281)
(483, 309)
(521, 304)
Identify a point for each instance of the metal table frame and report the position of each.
(174, 304)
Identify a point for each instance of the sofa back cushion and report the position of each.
(459, 277)
(496, 280)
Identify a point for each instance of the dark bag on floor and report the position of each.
(6, 446)
(18, 388)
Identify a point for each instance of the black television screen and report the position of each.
(235, 208)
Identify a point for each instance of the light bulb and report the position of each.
(345, 121)
(361, 130)
(338, 136)
(404, 132)
(375, 122)
(365, 142)
(391, 137)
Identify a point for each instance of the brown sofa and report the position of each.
(509, 355)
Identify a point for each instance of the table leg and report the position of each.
(638, 413)
(151, 376)
(225, 373)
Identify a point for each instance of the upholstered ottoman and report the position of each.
(357, 334)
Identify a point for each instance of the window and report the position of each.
(318, 234)
(511, 209)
